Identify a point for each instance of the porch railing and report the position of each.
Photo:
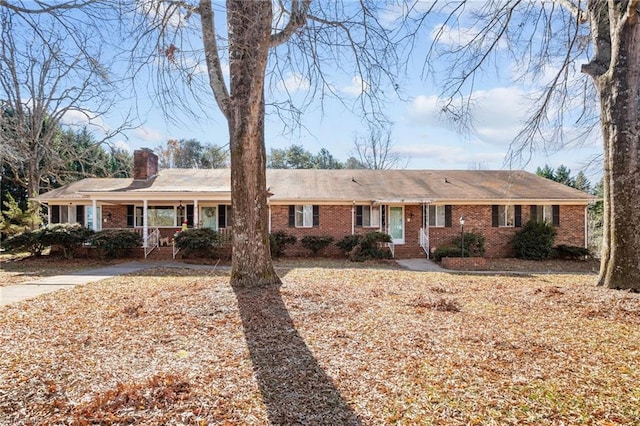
(153, 241)
(424, 240)
(392, 249)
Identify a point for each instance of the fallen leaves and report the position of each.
(331, 345)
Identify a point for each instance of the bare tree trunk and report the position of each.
(616, 71)
(249, 37)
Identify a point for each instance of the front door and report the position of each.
(396, 224)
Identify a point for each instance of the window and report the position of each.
(224, 216)
(436, 216)
(544, 213)
(506, 216)
(304, 216)
(547, 213)
(367, 216)
(161, 216)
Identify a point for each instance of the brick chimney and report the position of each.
(145, 164)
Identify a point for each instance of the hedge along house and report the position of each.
(420, 209)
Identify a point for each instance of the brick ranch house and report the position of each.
(420, 209)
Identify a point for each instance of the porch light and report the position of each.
(462, 236)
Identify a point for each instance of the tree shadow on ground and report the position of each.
(295, 389)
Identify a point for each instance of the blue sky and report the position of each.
(424, 138)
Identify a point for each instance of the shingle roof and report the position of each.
(343, 185)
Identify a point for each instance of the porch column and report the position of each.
(196, 216)
(48, 214)
(94, 212)
(145, 229)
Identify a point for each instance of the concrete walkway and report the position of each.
(421, 264)
(30, 289)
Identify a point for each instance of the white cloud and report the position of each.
(498, 114)
(293, 83)
(122, 144)
(81, 117)
(149, 135)
(450, 156)
(358, 87)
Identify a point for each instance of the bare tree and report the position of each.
(548, 40)
(263, 42)
(51, 70)
(375, 151)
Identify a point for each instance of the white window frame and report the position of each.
(545, 212)
(506, 216)
(438, 210)
(304, 215)
(370, 216)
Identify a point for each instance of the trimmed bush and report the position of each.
(534, 241)
(197, 240)
(348, 243)
(473, 244)
(365, 247)
(447, 251)
(278, 242)
(68, 236)
(566, 252)
(315, 243)
(114, 243)
(30, 241)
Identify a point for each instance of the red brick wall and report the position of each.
(497, 241)
(145, 164)
(335, 221)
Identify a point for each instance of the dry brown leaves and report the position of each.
(331, 346)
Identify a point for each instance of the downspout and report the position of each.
(353, 214)
(269, 219)
(586, 227)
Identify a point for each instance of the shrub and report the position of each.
(115, 242)
(473, 244)
(349, 242)
(201, 240)
(68, 236)
(278, 242)
(534, 240)
(564, 251)
(367, 247)
(315, 243)
(446, 251)
(30, 241)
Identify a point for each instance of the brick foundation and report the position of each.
(464, 263)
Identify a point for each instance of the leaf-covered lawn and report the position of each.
(17, 269)
(331, 346)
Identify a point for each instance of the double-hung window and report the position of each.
(436, 216)
(368, 216)
(546, 213)
(508, 216)
(304, 215)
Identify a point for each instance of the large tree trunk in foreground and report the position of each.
(249, 24)
(616, 72)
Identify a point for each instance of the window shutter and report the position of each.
(517, 212)
(383, 210)
(447, 216)
(80, 215)
(190, 215)
(534, 213)
(222, 216)
(292, 216)
(494, 216)
(55, 214)
(358, 215)
(130, 216)
(316, 215)
(556, 214)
